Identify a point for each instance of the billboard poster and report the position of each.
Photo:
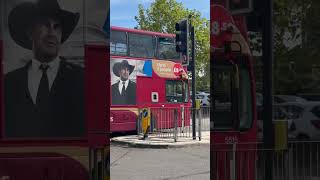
(124, 74)
(43, 65)
(168, 69)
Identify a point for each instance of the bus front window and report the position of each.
(245, 99)
(223, 116)
(233, 107)
(176, 91)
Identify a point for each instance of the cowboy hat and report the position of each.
(25, 14)
(118, 66)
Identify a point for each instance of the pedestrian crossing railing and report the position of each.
(175, 122)
(300, 161)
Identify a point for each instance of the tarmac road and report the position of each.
(185, 163)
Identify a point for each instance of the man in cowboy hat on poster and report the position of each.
(124, 91)
(45, 98)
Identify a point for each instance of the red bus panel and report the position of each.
(97, 94)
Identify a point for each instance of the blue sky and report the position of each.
(122, 12)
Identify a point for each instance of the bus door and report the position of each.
(232, 116)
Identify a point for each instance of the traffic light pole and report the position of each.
(267, 47)
(193, 71)
(182, 45)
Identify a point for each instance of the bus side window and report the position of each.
(118, 43)
(141, 45)
(167, 49)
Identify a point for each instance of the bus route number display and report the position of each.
(221, 23)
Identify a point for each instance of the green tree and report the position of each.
(298, 23)
(162, 15)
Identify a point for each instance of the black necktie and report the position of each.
(123, 88)
(43, 90)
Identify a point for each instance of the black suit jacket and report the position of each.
(129, 96)
(65, 117)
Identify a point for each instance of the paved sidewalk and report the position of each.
(161, 142)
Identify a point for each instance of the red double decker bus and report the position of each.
(233, 114)
(146, 71)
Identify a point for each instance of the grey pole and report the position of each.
(267, 47)
(193, 65)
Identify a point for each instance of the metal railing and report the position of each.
(204, 118)
(301, 161)
(176, 122)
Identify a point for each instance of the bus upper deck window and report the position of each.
(141, 45)
(167, 49)
(118, 43)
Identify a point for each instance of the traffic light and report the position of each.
(255, 19)
(182, 36)
(240, 6)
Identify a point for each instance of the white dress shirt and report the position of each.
(121, 85)
(35, 74)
